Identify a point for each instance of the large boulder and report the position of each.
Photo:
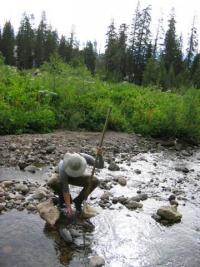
(48, 212)
(169, 213)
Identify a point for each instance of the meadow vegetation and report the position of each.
(60, 96)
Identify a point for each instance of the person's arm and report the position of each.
(91, 160)
(65, 189)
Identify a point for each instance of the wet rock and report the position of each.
(174, 202)
(12, 147)
(39, 194)
(182, 169)
(31, 169)
(2, 206)
(96, 261)
(156, 217)
(105, 196)
(50, 149)
(186, 153)
(172, 197)
(31, 207)
(7, 183)
(169, 213)
(65, 234)
(22, 188)
(122, 181)
(142, 196)
(22, 164)
(48, 212)
(133, 205)
(122, 200)
(115, 200)
(113, 167)
(75, 233)
(137, 171)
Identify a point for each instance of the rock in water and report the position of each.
(96, 261)
(66, 235)
(169, 213)
(88, 212)
(113, 167)
(48, 212)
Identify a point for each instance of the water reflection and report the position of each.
(25, 241)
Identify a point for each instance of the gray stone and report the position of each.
(50, 149)
(96, 261)
(75, 233)
(169, 213)
(31, 169)
(113, 167)
(122, 181)
(7, 183)
(31, 207)
(22, 188)
(142, 196)
(137, 171)
(65, 234)
(39, 194)
(133, 205)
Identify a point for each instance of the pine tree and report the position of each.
(172, 54)
(90, 57)
(40, 40)
(62, 48)
(140, 43)
(122, 52)
(51, 43)
(192, 44)
(151, 74)
(25, 43)
(8, 43)
(111, 52)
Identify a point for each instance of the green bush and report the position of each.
(66, 97)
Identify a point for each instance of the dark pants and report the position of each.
(84, 181)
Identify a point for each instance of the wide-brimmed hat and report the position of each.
(74, 164)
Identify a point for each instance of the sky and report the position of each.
(90, 19)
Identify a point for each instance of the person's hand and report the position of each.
(69, 211)
(99, 151)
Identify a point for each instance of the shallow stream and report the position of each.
(124, 238)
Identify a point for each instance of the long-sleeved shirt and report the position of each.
(64, 177)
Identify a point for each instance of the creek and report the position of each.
(124, 238)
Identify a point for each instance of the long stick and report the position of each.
(101, 140)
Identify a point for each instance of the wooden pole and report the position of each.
(101, 140)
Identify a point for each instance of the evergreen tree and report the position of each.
(140, 43)
(51, 43)
(151, 74)
(8, 43)
(192, 44)
(40, 40)
(111, 52)
(90, 57)
(172, 54)
(195, 71)
(131, 60)
(25, 43)
(122, 52)
(62, 48)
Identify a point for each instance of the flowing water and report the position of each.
(122, 237)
